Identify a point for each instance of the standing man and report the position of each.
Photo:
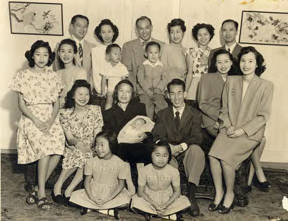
(229, 30)
(78, 29)
(180, 126)
(133, 51)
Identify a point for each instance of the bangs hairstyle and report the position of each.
(115, 93)
(67, 41)
(231, 20)
(176, 22)
(109, 48)
(114, 28)
(176, 81)
(152, 43)
(39, 44)
(213, 68)
(261, 67)
(143, 18)
(162, 143)
(107, 136)
(69, 100)
(74, 18)
(199, 26)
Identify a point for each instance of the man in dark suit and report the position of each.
(133, 51)
(229, 30)
(180, 126)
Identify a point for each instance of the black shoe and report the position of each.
(241, 200)
(213, 207)
(116, 214)
(224, 210)
(262, 186)
(83, 211)
(58, 198)
(147, 217)
(247, 189)
(179, 217)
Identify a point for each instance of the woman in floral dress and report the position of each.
(39, 136)
(197, 58)
(81, 123)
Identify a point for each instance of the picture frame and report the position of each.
(264, 28)
(36, 18)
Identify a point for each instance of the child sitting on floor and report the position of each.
(105, 181)
(159, 187)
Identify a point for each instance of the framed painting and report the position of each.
(265, 28)
(36, 18)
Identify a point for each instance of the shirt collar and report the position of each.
(181, 110)
(142, 41)
(147, 62)
(77, 41)
(231, 47)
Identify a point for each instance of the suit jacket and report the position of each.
(209, 97)
(87, 61)
(133, 56)
(189, 130)
(235, 52)
(251, 113)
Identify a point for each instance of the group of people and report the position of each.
(161, 102)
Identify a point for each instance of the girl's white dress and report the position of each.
(40, 90)
(158, 186)
(105, 180)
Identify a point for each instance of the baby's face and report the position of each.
(153, 54)
(137, 124)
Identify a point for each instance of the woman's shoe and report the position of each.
(247, 189)
(83, 211)
(213, 207)
(224, 210)
(58, 198)
(262, 186)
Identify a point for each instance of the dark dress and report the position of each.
(114, 120)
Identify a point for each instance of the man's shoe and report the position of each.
(195, 211)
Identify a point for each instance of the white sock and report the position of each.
(171, 217)
(109, 212)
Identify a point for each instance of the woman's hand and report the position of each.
(84, 148)
(216, 125)
(42, 126)
(237, 133)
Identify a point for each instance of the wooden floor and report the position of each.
(262, 206)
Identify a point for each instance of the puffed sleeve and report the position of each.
(125, 174)
(18, 82)
(64, 118)
(98, 122)
(142, 177)
(175, 177)
(89, 167)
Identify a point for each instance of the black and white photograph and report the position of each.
(144, 110)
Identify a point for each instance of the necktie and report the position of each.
(80, 51)
(229, 50)
(177, 119)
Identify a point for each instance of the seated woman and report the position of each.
(123, 110)
(210, 89)
(246, 107)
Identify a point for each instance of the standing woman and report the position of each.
(246, 107)
(39, 136)
(174, 54)
(123, 110)
(107, 33)
(197, 58)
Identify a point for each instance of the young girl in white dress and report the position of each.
(105, 179)
(81, 123)
(69, 71)
(40, 136)
(159, 187)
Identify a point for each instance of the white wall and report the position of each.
(124, 13)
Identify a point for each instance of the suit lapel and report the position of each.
(185, 116)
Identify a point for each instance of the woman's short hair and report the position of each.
(213, 68)
(69, 99)
(67, 41)
(115, 93)
(39, 44)
(162, 143)
(97, 30)
(199, 26)
(176, 22)
(261, 67)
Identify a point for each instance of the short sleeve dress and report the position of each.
(83, 130)
(158, 186)
(105, 180)
(199, 67)
(40, 90)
